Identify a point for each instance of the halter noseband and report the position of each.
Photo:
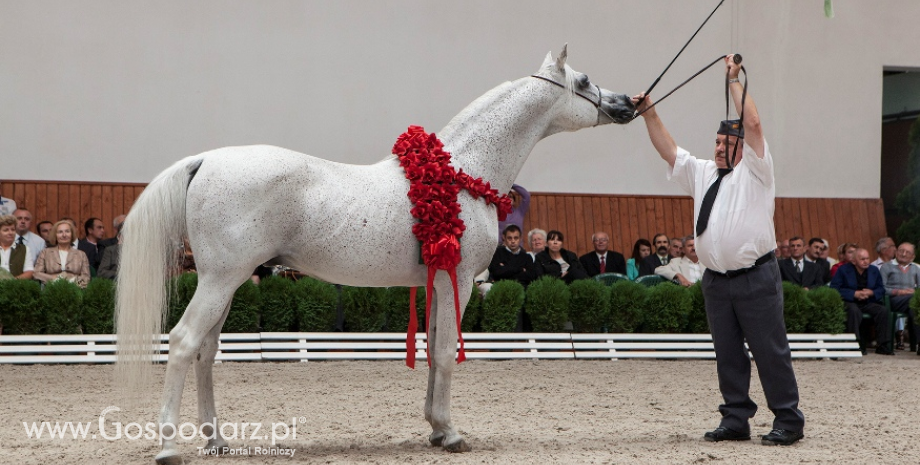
(596, 104)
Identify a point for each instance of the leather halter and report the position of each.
(596, 104)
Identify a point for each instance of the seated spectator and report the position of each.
(813, 254)
(108, 267)
(825, 252)
(537, 240)
(885, 251)
(116, 226)
(660, 257)
(558, 262)
(602, 260)
(860, 285)
(786, 252)
(25, 235)
(676, 248)
(510, 261)
(900, 282)
(799, 271)
(641, 249)
(846, 253)
(14, 255)
(44, 230)
(520, 203)
(62, 260)
(91, 244)
(685, 270)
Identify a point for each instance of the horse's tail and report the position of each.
(153, 236)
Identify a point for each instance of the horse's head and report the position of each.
(585, 104)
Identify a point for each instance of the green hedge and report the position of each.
(547, 304)
(589, 307)
(627, 299)
(501, 306)
(279, 304)
(666, 308)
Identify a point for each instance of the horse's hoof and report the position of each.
(216, 445)
(459, 446)
(436, 439)
(171, 459)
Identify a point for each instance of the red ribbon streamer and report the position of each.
(434, 185)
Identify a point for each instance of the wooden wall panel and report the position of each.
(625, 217)
(53, 200)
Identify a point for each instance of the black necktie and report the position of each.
(708, 200)
(21, 240)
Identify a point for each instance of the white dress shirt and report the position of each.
(740, 226)
(36, 245)
(5, 259)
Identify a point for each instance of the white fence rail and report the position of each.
(253, 347)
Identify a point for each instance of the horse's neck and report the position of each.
(493, 136)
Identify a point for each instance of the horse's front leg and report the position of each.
(443, 349)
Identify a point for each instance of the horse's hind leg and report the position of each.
(204, 312)
(443, 349)
(207, 410)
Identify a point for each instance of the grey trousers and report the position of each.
(750, 307)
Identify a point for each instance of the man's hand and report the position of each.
(683, 281)
(732, 68)
(862, 294)
(645, 103)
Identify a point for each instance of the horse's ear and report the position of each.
(560, 61)
(548, 61)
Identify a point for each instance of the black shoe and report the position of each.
(781, 437)
(884, 351)
(725, 434)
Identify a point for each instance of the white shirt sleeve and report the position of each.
(684, 170)
(29, 264)
(761, 168)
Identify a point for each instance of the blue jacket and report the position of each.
(845, 283)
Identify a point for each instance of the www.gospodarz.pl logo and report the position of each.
(134, 431)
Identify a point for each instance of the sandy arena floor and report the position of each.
(635, 412)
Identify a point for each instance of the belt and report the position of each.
(760, 261)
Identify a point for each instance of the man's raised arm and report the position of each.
(659, 134)
(753, 132)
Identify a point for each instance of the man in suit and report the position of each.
(685, 270)
(660, 258)
(860, 285)
(91, 245)
(813, 254)
(602, 260)
(799, 271)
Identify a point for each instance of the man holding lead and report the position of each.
(733, 204)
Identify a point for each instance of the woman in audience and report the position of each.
(537, 239)
(846, 252)
(556, 261)
(62, 260)
(641, 249)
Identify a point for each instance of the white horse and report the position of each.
(240, 207)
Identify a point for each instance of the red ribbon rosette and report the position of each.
(434, 186)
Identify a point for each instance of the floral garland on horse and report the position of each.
(434, 186)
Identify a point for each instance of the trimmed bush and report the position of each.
(666, 309)
(317, 302)
(828, 315)
(182, 289)
(20, 306)
(277, 297)
(547, 304)
(364, 308)
(99, 307)
(61, 303)
(796, 308)
(627, 299)
(589, 307)
(501, 306)
(472, 315)
(244, 310)
(696, 320)
(396, 302)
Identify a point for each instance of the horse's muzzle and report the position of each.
(617, 107)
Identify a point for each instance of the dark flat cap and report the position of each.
(731, 127)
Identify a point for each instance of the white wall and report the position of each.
(116, 91)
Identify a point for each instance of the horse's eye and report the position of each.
(583, 80)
